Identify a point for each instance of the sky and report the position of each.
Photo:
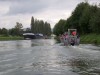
(12, 11)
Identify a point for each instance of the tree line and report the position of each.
(36, 26)
(16, 31)
(85, 18)
(39, 26)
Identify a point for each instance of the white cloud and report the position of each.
(4, 8)
(10, 21)
(12, 11)
(51, 17)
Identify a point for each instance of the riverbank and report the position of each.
(90, 38)
(6, 38)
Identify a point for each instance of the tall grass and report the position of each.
(91, 38)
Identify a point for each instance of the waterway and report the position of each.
(47, 57)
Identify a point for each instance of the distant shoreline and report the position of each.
(86, 39)
(7, 38)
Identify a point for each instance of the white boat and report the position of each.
(33, 36)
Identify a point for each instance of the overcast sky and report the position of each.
(12, 11)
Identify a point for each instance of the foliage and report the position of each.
(17, 30)
(85, 18)
(58, 29)
(90, 38)
(32, 24)
(4, 32)
(39, 26)
(95, 22)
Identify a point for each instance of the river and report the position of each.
(47, 57)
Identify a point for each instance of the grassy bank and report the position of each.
(90, 38)
(5, 38)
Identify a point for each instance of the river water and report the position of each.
(46, 57)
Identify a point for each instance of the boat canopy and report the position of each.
(28, 34)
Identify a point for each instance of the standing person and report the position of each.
(78, 39)
(72, 41)
(74, 33)
(61, 38)
(66, 39)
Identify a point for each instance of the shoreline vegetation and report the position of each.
(8, 38)
(84, 39)
(90, 39)
(16, 33)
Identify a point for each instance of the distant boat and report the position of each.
(39, 36)
(32, 36)
(29, 36)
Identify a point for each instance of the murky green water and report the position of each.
(46, 57)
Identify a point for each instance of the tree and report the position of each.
(0, 31)
(4, 31)
(77, 14)
(85, 18)
(12, 32)
(32, 24)
(95, 22)
(47, 29)
(39, 26)
(59, 27)
(73, 21)
(42, 26)
(18, 28)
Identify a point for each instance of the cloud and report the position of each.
(24, 7)
(10, 21)
(12, 11)
(34, 6)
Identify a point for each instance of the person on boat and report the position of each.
(66, 39)
(72, 42)
(74, 33)
(61, 38)
(78, 39)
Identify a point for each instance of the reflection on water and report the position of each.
(46, 57)
(42, 42)
(26, 43)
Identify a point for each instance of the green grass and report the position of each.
(90, 38)
(4, 38)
